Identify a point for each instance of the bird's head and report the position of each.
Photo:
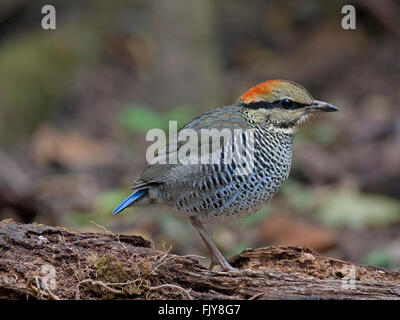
(281, 105)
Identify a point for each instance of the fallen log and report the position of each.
(43, 262)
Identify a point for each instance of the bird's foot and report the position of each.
(217, 259)
(221, 261)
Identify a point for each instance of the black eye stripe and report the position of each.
(275, 104)
(258, 105)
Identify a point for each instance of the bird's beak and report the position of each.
(321, 106)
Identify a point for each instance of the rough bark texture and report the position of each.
(42, 262)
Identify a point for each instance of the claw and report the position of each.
(227, 267)
(222, 262)
(212, 265)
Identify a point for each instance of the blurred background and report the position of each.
(76, 103)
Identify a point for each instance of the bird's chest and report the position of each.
(271, 166)
(228, 191)
(272, 158)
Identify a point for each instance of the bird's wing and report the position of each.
(228, 117)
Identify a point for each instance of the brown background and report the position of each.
(76, 102)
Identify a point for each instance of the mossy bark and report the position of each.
(42, 262)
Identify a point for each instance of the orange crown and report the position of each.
(260, 92)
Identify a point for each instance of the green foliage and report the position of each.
(353, 209)
(35, 70)
(379, 257)
(108, 200)
(175, 227)
(102, 211)
(138, 118)
(241, 246)
(257, 217)
(322, 132)
(325, 133)
(300, 198)
(342, 207)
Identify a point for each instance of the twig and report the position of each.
(256, 296)
(39, 293)
(194, 256)
(163, 258)
(100, 283)
(109, 232)
(51, 294)
(163, 286)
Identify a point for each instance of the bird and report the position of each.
(266, 117)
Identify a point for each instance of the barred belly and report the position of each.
(214, 192)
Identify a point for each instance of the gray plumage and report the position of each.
(215, 192)
(268, 114)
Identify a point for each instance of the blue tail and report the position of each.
(132, 198)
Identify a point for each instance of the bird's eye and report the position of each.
(286, 103)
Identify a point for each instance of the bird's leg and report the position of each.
(216, 256)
